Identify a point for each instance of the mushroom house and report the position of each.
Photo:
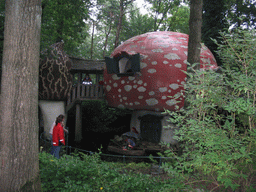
(142, 72)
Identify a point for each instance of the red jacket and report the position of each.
(58, 135)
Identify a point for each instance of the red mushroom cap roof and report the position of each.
(163, 57)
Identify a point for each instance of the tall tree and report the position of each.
(107, 14)
(19, 170)
(214, 21)
(163, 10)
(242, 13)
(64, 20)
(123, 5)
(195, 24)
(2, 5)
(178, 21)
(136, 24)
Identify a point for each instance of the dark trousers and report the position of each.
(56, 151)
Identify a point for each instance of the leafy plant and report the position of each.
(217, 127)
(82, 172)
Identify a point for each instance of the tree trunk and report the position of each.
(195, 24)
(93, 26)
(106, 40)
(119, 26)
(19, 129)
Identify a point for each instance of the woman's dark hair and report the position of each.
(59, 119)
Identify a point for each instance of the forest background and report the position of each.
(92, 29)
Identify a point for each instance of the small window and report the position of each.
(124, 65)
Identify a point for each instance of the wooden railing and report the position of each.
(84, 92)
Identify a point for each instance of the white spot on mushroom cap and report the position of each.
(184, 46)
(140, 97)
(206, 60)
(175, 49)
(141, 89)
(152, 70)
(157, 50)
(165, 62)
(115, 77)
(131, 78)
(125, 98)
(137, 103)
(115, 85)
(151, 37)
(178, 65)
(131, 104)
(186, 53)
(177, 95)
(174, 86)
(123, 81)
(108, 88)
(151, 93)
(121, 106)
(152, 101)
(154, 62)
(140, 82)
(172, 56)
(135, 86)
(143, 65)
(127, 88)
(121, 100)
(164, 97)
(145, 84)
(171, 102)
(119, 90)
(163, 89)
(164, 45)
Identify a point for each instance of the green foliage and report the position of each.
(89, 173)
(241, 13)
(64, 20)
(179, 20)
(136, 24)
(98, 115)
(169, 15)
(217, 127)
(214, 21)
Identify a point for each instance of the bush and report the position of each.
(89, 173)
(217, 127)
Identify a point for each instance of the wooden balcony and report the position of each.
(83, 92)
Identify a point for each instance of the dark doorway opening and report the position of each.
(151, 128)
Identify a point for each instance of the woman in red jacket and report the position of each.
(58, 136)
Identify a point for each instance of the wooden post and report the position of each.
(79, 85)
(78, 129)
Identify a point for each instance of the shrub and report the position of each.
(89, 173)
(217, 127)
